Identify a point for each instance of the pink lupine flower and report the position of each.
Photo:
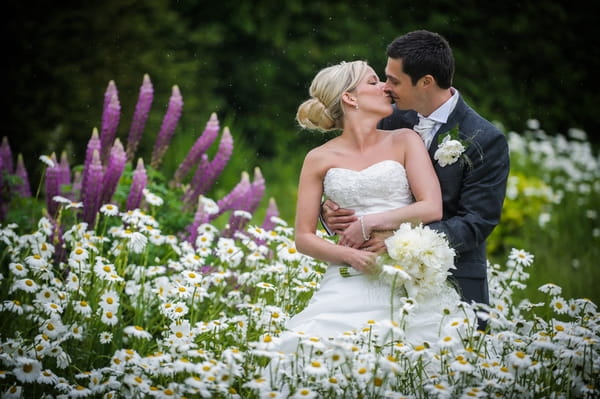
(168, 126)
(271, 212)
(93, 145)
(114, 170)
(93, 189)
(52, 186)
(200, 146)
(140, 116)
(22, 188)
(110, 121)
(138, 184)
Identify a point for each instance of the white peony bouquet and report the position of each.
(418, 259)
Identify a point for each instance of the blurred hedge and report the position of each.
(251, 62)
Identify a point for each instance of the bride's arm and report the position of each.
(424, 185)
(310, 189)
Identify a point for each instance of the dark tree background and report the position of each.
(251, 62)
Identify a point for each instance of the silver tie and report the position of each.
(424, 129)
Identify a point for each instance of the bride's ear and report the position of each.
(349, 99)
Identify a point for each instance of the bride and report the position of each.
(388, 179)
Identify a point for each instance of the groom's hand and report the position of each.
(377, 241)
(337, 219)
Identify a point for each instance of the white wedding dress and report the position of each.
(343, 304)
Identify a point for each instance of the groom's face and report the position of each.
(399, 85)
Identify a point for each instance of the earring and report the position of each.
(356, 107)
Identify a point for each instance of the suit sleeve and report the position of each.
(479, 206)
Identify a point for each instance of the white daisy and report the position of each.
(137, 332)
(105, 337)
(109, 210)
(27, 370)
(47, 160)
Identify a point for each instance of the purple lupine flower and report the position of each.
(93, 189)
(200, 146)
(110, 122)
(140, 116)
(216, 166)
(190, 197)
(272, 211)
(168, 126)
(138, 184)
(77, 183)
(93, 145)
(60, 251)
(65, 176)
(236, 197)
(6, 155)
(248, 202)
(256, 191)
(4, 194)
(52, 186)
(22, 188)
(114, 170)
(200, 217)
(111, 90)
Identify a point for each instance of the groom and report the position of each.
(419, 73)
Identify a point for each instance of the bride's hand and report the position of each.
(363, 261)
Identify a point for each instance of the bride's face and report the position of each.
(371, 96)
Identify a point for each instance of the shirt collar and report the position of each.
(441, 114)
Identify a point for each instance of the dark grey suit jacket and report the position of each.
(472, 192)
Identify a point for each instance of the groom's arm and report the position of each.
(482, 194)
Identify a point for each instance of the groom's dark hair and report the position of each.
(424, 53)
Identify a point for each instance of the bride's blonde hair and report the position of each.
(323, 110)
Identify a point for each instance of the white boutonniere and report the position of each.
(450, 148)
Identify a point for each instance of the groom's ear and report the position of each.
(427, 81)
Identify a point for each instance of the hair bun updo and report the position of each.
(313, 115)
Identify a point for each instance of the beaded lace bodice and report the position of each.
(379, 187)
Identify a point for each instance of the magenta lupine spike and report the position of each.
(93, 190)
(168, 126)
(272, 211)
(114, 170)
(190, 197)
(218, 163)
(22, 188)
(110, 122)
(52, 186)
(200, 146)
(140, 116)
(138, 184)
(6, 155)
(65, 175)
(93, 145)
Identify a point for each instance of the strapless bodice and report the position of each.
(379, 187)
